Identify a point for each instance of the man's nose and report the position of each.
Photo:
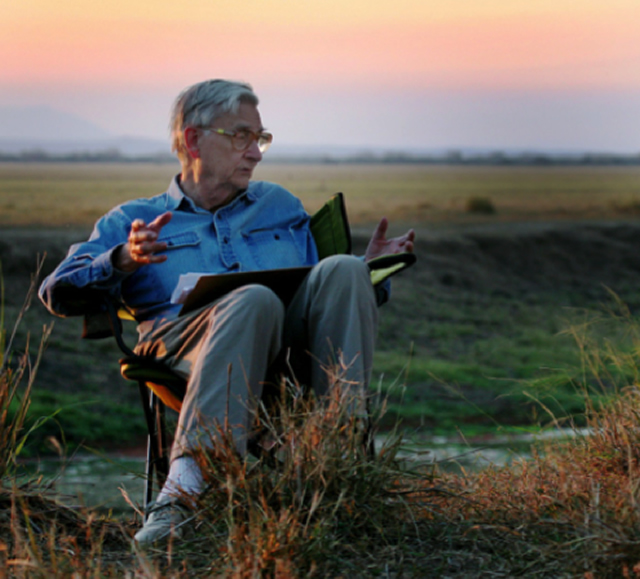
(253, 151)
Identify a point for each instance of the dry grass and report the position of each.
(566, 514)
(323, 507)
(77, 194)
(570, 510)
(574, 507)
(14, 372)
(39, 536)
(74, 194)
(295, 512)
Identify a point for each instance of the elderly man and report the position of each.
(214, 219)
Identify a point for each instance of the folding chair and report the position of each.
(159, 386)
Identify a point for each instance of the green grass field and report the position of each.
(474, 332)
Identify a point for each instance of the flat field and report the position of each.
(493, 318)
(51, 194)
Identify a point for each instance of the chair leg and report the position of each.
(162, 457)
(148, 487)
(369, 441)
(157, 451)
(146, 405)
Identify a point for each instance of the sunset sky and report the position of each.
(559, 74)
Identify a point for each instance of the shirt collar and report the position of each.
(249, 193)
(176, 198)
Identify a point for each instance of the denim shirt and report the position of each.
(265, 227)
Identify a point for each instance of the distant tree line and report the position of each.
(104, 156)
(453, 157)
(460, 158)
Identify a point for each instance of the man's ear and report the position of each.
(191, 141)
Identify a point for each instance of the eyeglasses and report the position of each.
(242, 138)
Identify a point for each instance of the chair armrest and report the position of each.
(101, 315)
(385, 266)
(96, 326)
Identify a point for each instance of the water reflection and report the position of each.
(95, 481)
(99, 481)
(455, 454)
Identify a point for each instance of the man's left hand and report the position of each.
(380, 245)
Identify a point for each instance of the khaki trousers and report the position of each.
(225, 348)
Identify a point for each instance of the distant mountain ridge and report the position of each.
(127, 146)
(42, 132)
(54, 132)
(47, 124)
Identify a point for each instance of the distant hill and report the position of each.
(44, 123)
(55, 132)
(125, 146)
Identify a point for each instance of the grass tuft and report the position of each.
(480, 205)
(39, 537)
(319, 488)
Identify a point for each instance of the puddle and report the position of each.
(95, 481)
(455, 455)
(99, 481)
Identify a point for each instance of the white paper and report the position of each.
(186, 283)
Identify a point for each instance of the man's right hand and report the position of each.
(142, 246)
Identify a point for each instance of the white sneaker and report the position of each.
(166, 520)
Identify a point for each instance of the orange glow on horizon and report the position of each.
(309, 12)
(418, 44)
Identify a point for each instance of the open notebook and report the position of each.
(195, 290)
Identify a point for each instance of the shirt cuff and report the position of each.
(103, 273)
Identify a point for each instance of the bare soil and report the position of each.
(512, 258)
(506, 257)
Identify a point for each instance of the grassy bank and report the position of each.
(327, 509)
(465, 345)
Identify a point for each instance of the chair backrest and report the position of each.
(332, 234)
(330, 228)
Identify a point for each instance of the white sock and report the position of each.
(184, 477)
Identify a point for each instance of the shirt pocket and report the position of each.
(185, 253)
(275, 247)
(154, 283)
(181, 240)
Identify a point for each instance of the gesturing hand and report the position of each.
(142, 246)
(380, 245)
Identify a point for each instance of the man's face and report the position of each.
(222, 165)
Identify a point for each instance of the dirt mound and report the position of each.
(512, 259)
(20, 247)
(506, 259)
(572, 257)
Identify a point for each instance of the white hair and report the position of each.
(200, 104)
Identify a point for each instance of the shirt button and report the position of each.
(225, 239)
